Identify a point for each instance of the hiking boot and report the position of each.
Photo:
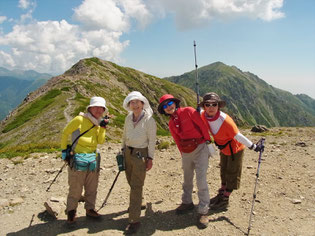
(216, 198)
(71, 217)
(92, 214)
(132, 228)
(203, 221)
(184, 208)
(221, 204)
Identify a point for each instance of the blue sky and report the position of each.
(273, 39)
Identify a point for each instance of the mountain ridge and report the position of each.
(40, 117)
(250, 100)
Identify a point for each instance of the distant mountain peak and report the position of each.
(250, 99)
(24, 74)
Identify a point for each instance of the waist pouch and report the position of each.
(86, 161)
(189, 145)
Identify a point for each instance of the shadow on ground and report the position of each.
(153, 221)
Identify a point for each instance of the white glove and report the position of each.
(212, 150)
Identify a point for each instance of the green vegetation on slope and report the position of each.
(35, 109)
(249, 99)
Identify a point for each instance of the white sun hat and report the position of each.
(97, 102)
(135, 95)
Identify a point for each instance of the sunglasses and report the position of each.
(170, 103)
(211, 104)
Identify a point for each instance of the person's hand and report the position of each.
(258, 148)
(212, 150)
(104, 122)
(64, 154)
(148, 164)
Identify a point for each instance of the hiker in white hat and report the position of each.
(138, 144)
(87, 130)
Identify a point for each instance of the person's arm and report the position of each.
(202, 126)
(151, 133)
(69, 129)
(101, 135)
(174, 135)
(123, 141)
(242, 139)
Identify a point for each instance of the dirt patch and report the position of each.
(285, 202)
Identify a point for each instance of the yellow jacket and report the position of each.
(88, 142)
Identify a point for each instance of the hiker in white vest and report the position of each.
(231, 143)
(138, 144)
(83, 170)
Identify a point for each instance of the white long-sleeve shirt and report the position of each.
(141, 135)
(216, 125)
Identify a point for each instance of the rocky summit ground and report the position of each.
(285, 203)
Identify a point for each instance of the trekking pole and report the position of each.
(261, 143)
(56, 176)
(110, 190)
(196, 76)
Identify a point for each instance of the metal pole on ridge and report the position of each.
(196, 76)
(261, 143)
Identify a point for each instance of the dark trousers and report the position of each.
(231, 170)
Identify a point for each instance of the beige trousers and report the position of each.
(196, 161)
(135, 172)
(77, 180)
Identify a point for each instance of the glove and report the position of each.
(258, 148)
(104, 121)
(63, 154)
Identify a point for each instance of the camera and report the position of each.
(104, 121)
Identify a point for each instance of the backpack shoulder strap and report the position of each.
(81, 135)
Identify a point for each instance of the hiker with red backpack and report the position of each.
(231, 143)
(192, 139)
(87, 130)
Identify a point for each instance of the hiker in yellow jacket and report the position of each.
(83, 170)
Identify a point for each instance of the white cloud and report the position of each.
(138, 10)
(24, 4)
(114, 15)
(2, 19)
(6, 59)
(99, 14)
(53, 46)
(189, 14)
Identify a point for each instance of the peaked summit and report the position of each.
(250, 100)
